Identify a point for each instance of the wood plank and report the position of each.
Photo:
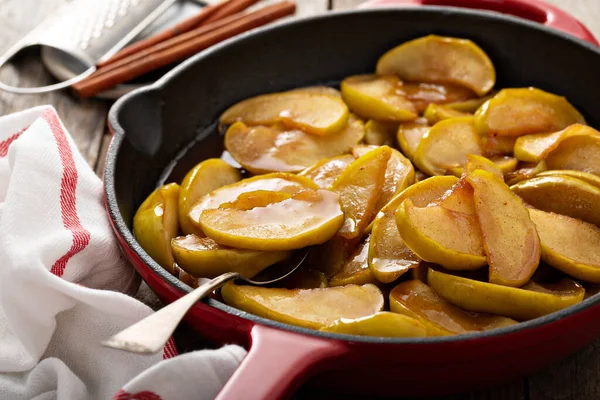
(575, 378)
(85, 120)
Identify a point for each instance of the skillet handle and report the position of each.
(533, 10)
(277, 363)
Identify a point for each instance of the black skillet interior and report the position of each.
(154, 125)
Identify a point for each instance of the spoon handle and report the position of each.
(151, 333)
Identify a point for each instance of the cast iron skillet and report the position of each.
(153, 125)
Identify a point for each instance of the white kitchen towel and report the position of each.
(64, 285)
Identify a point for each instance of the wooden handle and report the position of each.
(179, 48)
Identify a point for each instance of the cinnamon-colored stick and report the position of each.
(230, 8)
(174, 50)
(207, 14)
(180, 39)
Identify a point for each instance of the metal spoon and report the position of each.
(151, 333)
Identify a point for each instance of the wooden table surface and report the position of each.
(576, 378)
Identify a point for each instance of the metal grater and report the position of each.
(87, 32)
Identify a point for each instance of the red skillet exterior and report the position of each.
(281, 357)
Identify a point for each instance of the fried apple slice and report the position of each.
(275, 182)
(325, 171)
(592, 179)
(470, 105)
(205, 258)
(422, 94)
(563, 195)
(475, 162)
(441, 236)
(525, 111)
(536, 147)
(308, 308)
(304, 278)
(379, 133)
(326, 90)
(498, 145)
(377, 97)
(409, 136)
(155, 223)
(530, 301)
(580, 153)
(316, 113)
(568, 244)
(440, 59)
(205, 177)
(524, 171)
(435, 113)
(316, 217)
(360, 186)
(381, 324)
(510, 238)
(263, 149)
(356, 269)
(331, 256)
(446, 145)
(417, 300)
(389, 257)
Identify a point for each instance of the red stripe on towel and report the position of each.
(5, 144)
(68, 196)
(145, 395)
(170, 349)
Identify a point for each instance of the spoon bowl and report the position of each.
(151, 333)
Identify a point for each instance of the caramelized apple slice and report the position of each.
(319, 114)
(381, 324)
(326, 90)
(435, 113)
(446, 146)
(417, 300)
(377, 97)
(524, 171)
(534, 148)
(389, 257)
(498, 145)
(324, 172)
(475, 162)
(470, 105)
(524, 111)
(379, 133)
(331, 256)
(356, 269)
(262, 149)
(275, 182)
(155, 223)
(592, 179)
(563, 195)
(410, 134)
(205, 177)
(304, 278)
(510, 239)
(422, 94)
(568, 244)
(360, 187)
(531, 301)
(308, 308)
(441, 236)
(580, 153)
(205, 258)
(316, 217)
(440, 59)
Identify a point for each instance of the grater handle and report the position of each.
(40, 89)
